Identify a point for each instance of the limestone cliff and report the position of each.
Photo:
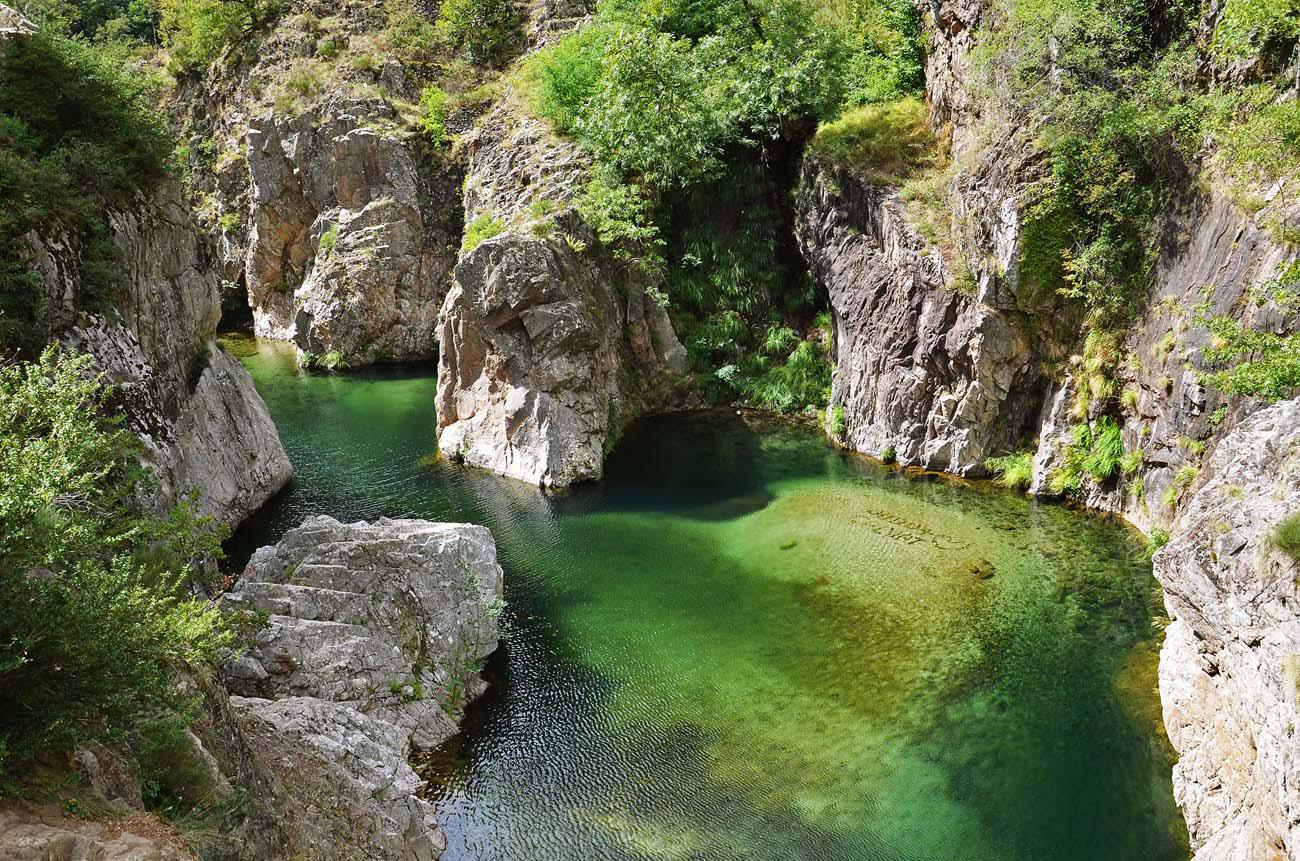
(337, 222)
(549, 343)
(942, 378)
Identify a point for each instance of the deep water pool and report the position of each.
(745, 644)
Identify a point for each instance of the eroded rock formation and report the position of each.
(549, 344)
(203, 425)
(940, 377)
(1231, 659)
(336, 221)
(373, 645)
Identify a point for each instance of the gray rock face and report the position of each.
(193, 405)
(1231, 660)
(1215, 254)
(338, 222)
(548, 345)
(351, 233)
(372, 646)
(942, 378)
(31, 833)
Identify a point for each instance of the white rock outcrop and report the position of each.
(1231, 658)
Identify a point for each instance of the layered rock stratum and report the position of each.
(373, 643)
(1231, 660)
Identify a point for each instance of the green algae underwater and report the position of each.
(746, 644)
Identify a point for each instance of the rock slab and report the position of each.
(374, 637)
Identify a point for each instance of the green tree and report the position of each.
(94, 616)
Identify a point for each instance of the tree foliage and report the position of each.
(93, 614)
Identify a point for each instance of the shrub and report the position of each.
(650, 115)
(804, 379)
(1015, 471)
(888, 454)
(197, 31)
(485, 30)
(1106, 452)
(79, 131)
(483, 227)
(622, 215)
(1261, 364)
(838, 426)
(328, 240)
(94, 616)
(1286, 537)
(564, 76)
(883, 142)
(433, 116)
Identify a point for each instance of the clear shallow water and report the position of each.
(744, 644)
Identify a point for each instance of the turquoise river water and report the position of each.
(745, 644)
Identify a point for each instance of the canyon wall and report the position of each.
(194, 407)
(944, 356)
(337, 223)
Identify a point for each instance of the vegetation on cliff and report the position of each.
(95, 613)
(79, 133)
(694, 112)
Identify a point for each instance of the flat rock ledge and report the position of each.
(373, 639)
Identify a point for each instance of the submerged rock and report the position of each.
(373, 644)
(1231, 659)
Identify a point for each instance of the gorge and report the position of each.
(734, 308)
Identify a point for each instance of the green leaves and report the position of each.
(94, 615)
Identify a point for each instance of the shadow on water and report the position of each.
(746, 644)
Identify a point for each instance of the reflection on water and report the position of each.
(743, 644)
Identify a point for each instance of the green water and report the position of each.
(744, 644)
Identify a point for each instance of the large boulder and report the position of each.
(549, 344)
(372, 645)
(1231, 659)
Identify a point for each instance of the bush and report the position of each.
(197, 31)
(1262, 364)
(888, 455)
(78, 132)
(883, 142)
(485, 30)
(328, 240)
(94, 617)
(564, 76)
(433, 116)
(804, 379)
(483, 227)
(838, 426)
(1286, 537)
(1015, 471)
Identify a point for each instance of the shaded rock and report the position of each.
(351, 233)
